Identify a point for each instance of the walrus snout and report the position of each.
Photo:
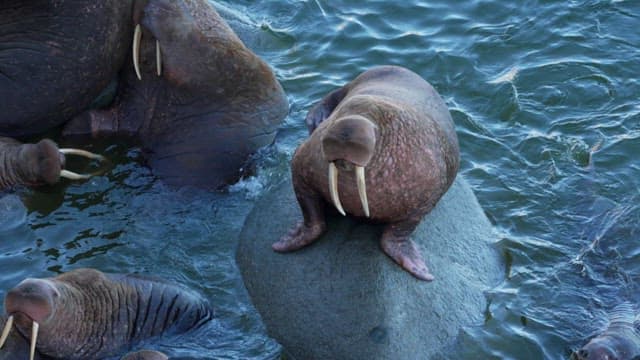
(45, 162)
(351, 138)
(33, 298)
(596, 350)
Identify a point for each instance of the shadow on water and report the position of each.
(545, 99)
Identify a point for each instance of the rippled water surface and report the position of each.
(546, 100)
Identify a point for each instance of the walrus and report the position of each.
(87, 314)
(196, 99)
(392, 140)
(619, 341)
(36, 164)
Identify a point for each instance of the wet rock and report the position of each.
(343, 298)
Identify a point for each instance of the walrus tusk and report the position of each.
(73, 176)
(6, 330)
(84, 153)
(158, 59)
(137, 36)
(333, 187)
(362, 189)
(34, 338)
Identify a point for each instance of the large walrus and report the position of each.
(36, 164)
(196, 99)
(391, 137)
(86, 314)
(620, 340)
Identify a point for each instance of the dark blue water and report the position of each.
(546, 100)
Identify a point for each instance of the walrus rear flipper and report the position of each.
(320, 111)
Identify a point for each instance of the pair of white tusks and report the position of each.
(137, 36)
(70, 174)
(360, 181)
(34, 335)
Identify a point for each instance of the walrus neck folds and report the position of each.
(349, 141)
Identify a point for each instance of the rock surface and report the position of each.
(343, 298)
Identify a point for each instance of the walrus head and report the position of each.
(44, 163)
(30, 304)
(349, 142)
(595, 350)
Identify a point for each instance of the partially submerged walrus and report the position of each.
(197, 100)
(86, 314)
(392, 140)
(36, 164)
(620, 341)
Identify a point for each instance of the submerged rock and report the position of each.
(343, 298)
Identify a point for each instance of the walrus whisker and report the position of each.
(6, 330)
(137, 36)
(158, 59)
(84, 153)
(362, 189)
(73, 176)
(333, 187)
(34, 337)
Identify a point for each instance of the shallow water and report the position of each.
(545, 96)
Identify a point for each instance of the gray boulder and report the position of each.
(343, 298)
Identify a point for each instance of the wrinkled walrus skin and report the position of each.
(392, 128)
(87, 314)
(619, 341)
(198, 101)
(56, 56)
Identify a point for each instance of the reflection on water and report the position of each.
(545, 98)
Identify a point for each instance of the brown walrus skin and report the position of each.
(29, 164)
(392, 123)
(214, 104)
(87, 314)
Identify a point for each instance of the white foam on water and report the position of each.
(508, 76)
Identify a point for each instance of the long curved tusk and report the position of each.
(34, 338)
(137, 36)
(333, 187)
(362, 189)
(158, 59)
(84, 153)
(73, 176)
(6, 330)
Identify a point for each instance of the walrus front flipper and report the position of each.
(320, 111)
(309, 230)
(396, 243)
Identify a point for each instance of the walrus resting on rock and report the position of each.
(86, 314)
(620, 341)
(36, 164)
(392, 140)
